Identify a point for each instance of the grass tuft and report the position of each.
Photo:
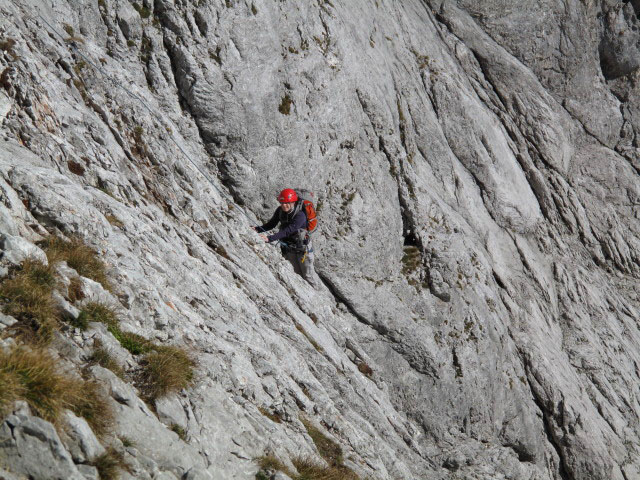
(134, 343)
(26, 295)
(91, 405)
(33, 375)
(285, 105)
(99, 312)
(166, 369)
(269, 462)
(308, 469)
(102, 357)
(179, 430)
(327, 448)
(365, 369)
(74, 290)
(110, 464)
(82, 258)
(127, 442)
(274, 417)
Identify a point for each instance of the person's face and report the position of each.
(287, 207)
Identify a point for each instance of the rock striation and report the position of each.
(477, 172)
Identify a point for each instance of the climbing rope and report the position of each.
(137, 97)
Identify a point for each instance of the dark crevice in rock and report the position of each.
(498, 280)
(456, 363)
(546, 423)
(340, 298)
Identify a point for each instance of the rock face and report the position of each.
(476, 165)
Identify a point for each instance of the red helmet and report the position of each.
(288, 195)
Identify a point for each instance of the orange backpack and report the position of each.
(309, 209)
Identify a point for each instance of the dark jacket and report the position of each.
(290, 224)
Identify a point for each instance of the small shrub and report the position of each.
(109, 464)
(75, 167)
(113, 220)
(411, 260)
(82, 258)
(166, 369)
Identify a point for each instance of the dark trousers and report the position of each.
(303, 268)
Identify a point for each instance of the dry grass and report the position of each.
(166, 369)
(269, 463)
(411, 260)
(365, 369)
(313, 343)
(274, 417)
(94, 408)
(327, 448)
(74, 290)
(308, 469)
(33, 375)
(26, 295)
(110, 464)
(11, 389)
(102, 357)
(82, 258)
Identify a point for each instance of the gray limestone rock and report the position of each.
(6, 320)
(82, 443)
(475, 165)
(89, 472)
(170, 411)
(16, 249)
(31, 446)
(4, 475)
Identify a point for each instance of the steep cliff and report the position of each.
(477, 169)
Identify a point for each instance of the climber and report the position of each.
(297, 219)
